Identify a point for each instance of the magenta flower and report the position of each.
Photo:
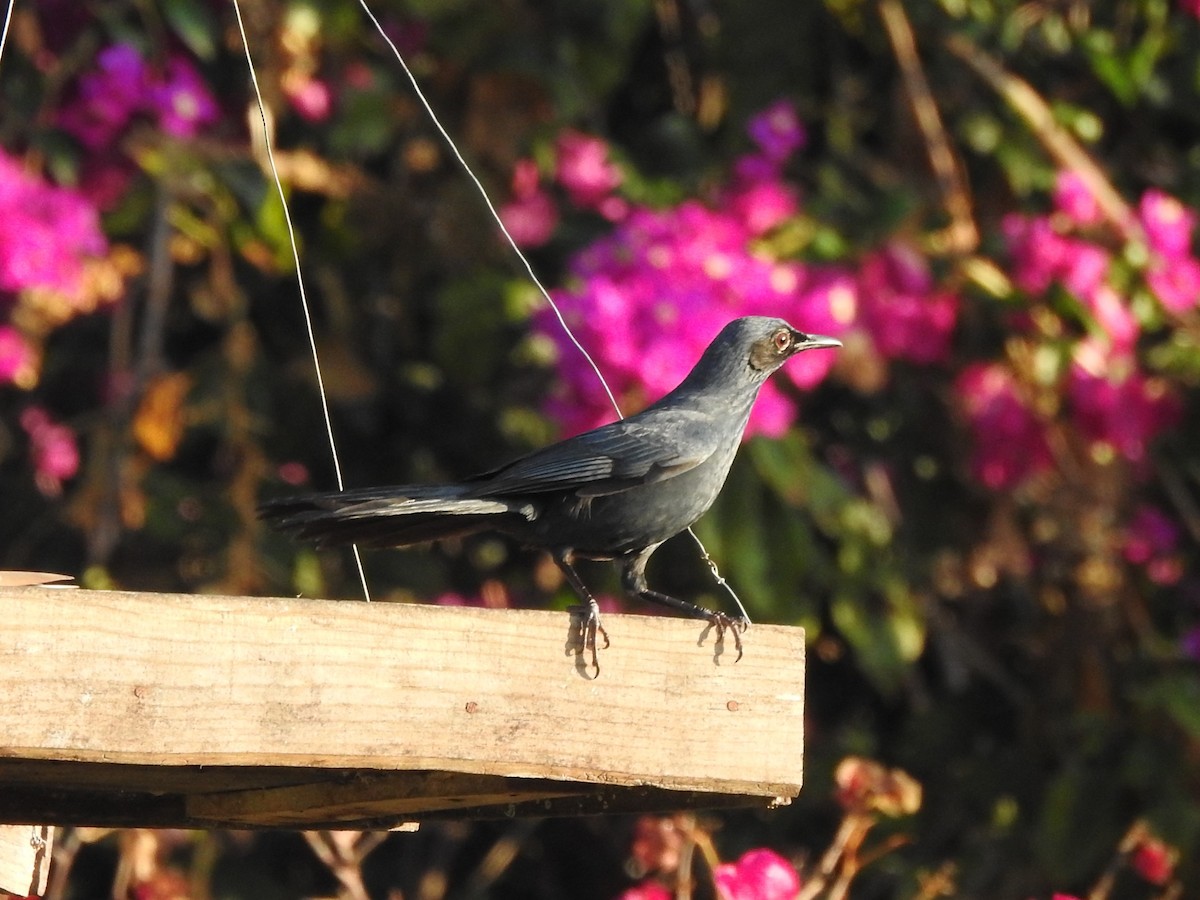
(123, 86)
(1176, 282)
(753, 168)
(827, 302)
(1074, 200)
(905, 315)
(107, 97)
(649, 297)
(647, 890)
(777, 131)
(584, 169)
(1168, 224)
(1152, 543)
(17, 358)
(52, 448)
(182, 101)
(1009, 441)
(1042, 256)
(757, 875)
(1189, 644)
(1114, 404)
(46, 234)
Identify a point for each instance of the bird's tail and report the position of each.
(391, 516)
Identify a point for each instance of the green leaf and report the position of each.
(1177, 695)
(194, 24)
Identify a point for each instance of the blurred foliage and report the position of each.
(1002, 644)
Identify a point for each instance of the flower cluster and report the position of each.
(1114, 404)
(123, 85)
(760, 874)
(52, 448)
(658, 847)
(1152, 543)
(647, 298)
(47, 234)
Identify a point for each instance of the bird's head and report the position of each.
(745, 354)
(772, 342)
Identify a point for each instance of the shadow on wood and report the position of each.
(197, 711)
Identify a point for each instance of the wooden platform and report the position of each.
(158, 710)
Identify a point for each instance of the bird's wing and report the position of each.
(610, 459)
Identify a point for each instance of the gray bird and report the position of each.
(614, 493)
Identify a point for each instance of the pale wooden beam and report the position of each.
(25, 852)
(303, 713)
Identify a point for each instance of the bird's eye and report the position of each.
(782, 340)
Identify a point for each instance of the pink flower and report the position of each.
(52, 448)
(17, 359)
(46, 233)
(777, 131)
(827, 304)
(1191, 7)
(758, 875)
(1176, 282)
(1073, 199)
(454, 599)
(584, 169)
(310, 97)
(1154, 860)
(1152, 542)
(531, 221)
(1041, 256)
(182, 101)
(1168, 224)
(905, 316)
(1084, 269)
(1115, 405)
(764, 204)
(649, 297)
(647, 890)
(1009, 441)
(530, 216)
(1114, 317)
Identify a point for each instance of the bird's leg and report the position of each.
(633, 579)
(589, 612)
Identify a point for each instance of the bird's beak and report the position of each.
(814, 341)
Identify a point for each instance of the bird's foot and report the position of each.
(735, 625)
(590, 630)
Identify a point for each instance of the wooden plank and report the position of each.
(25, 852)
(173, 684)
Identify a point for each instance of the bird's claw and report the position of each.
(589, 630)
(735, 625)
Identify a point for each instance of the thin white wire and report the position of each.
(7, 21)
(437, 123)
(312, 340)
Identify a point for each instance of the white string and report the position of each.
(312, 339)
(532, 275)
(491, 208)
(7, 21)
